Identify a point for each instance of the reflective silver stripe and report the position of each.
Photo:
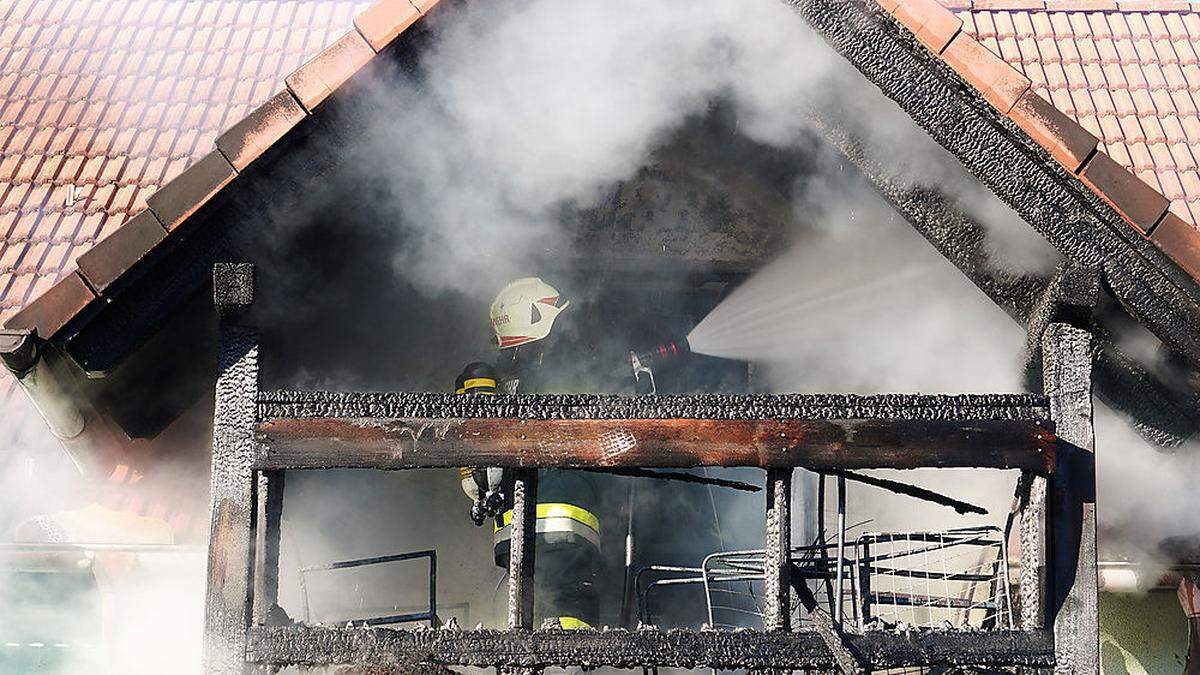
(552, 525)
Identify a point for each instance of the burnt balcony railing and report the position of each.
(260, 435)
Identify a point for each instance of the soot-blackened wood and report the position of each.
(1067, 371)
(230, 590)
(880, 650)
(777, 565)
(679, 443)
(1160, 412)
(1031, 519)
(268, 522)
(522, 550)
(394, 405)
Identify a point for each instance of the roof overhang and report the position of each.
(131, 285)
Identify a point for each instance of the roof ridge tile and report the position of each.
(314, 81)
(251, 136)
(998, 82)
(184, 194)
(102, 264)
(932, 24)
(57, 305)
(383, 21)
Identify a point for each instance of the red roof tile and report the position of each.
(111, 256)
(57, 304)
(249, 138)
(1069, 143)
(313, 82)
(933, 25)
(111, 99)
(383, 21)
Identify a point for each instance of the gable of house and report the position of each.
(1000, 51)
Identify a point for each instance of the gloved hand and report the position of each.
(486, 492)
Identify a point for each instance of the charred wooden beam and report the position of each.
(1030, 517)
(913, 491)
(1067, 370)
(267, 526)
(1161, 413)
(230, 573)
(311, 646)
(777, 563)
(822, 445)
(315, 430)
(521, 550)
(917, 407)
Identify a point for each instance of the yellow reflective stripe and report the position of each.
(571, 623)
(465, 471)
(479, 382)
(553, 510)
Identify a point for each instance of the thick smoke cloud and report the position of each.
(525, 109)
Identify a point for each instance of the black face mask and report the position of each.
(521, 363)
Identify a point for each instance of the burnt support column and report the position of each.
(268, 523)
(777, 566)
(1067, 354)
(230, 591)
(521, 551)
(1031, 517)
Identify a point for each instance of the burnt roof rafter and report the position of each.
(1161, 413)
(1024, 175)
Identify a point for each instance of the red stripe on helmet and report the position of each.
(515, 340)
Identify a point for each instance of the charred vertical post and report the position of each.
(1067, 374)
(864, 584)
(1031, 518)
(1069, 298)
(268, 521)
(777, 566)
(521, 551)
(230, 590)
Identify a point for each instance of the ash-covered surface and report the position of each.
(233, 285)
(313, 646)
(1070, 216)
(227, 599)
(409, 405)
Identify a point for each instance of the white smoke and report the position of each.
(526, 108)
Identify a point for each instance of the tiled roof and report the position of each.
(1121, 72)
(102, 102)
(1110, 88)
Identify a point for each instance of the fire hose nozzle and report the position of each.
(668, 351)
(662, 352)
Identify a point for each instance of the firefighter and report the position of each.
(568, 528)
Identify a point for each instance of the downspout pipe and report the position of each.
(26, 357)
(1126, 577)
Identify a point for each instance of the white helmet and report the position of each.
(525, 311)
